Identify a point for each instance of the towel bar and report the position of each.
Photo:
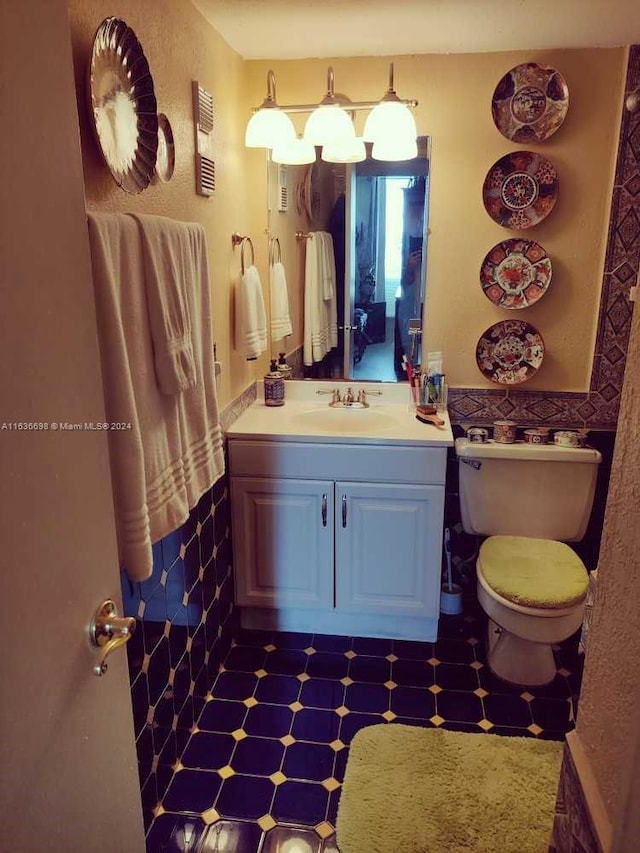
(241, 240)
(275, 251)
(236, 239)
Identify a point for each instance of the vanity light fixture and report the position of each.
(269, 125)
(390, 127)
(329, 122)
(294, 152)
(394, 149)
(349, 151)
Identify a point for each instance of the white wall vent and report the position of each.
(205, 175)
(203, 120)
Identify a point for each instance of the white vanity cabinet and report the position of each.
(283, 542)
(338, 538)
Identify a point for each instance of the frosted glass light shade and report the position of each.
(349, 151)
(390, 117)
(295, 152)
(327, 124)
(394, 149)
(268, 128)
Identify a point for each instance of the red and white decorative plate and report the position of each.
(530, 102)
(520, 189)
(510, 352)
(515, 273)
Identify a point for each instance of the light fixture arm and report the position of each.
(330, 80)
(330, 99)
(349, 105)
(390, 94)
(271, 86)
(270, 101)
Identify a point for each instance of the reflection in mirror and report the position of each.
(376, 214)
(386, 211)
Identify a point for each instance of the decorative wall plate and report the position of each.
(515, 273)
(166, 159)
(510, 352)
(520, 189)
(123, 105)
(530, 102)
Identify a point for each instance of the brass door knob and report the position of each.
(108, 632)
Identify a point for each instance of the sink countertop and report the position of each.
(306, 416)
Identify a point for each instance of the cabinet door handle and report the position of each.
(324, 510)
(344, 510)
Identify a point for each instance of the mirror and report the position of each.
(386, 220)
(377, 215)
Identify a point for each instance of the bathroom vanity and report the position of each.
(337, 514)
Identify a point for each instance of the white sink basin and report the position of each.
(344, 420)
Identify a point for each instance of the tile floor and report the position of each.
(266, 759)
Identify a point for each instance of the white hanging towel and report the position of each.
(280, 318)
(171, 256)
(328, 266)
(320, 313)
(251, 319)
(172, 452)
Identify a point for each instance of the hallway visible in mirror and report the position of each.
(385, 265)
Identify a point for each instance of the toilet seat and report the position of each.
(521, 635)
(539, 575)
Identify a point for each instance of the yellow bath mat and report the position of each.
(415, 790)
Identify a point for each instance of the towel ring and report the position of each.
(253, 254)
(275, 243)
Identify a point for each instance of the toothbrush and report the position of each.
(447, 551)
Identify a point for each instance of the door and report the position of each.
(69, 779)
(388, 547)
(283, 542)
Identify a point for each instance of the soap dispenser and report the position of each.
(273, 386)
(284, 368)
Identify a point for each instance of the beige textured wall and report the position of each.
(608, 720)
(181, 46)
(455, 93)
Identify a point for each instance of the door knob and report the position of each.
(108, 632)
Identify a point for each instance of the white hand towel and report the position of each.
(170, 265)
(280, 318)
(251, 319)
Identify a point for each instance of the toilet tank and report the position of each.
(524, 489)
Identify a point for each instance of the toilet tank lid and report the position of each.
(525, 452)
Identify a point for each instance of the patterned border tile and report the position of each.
(236, 407)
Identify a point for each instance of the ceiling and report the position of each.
(297, 29)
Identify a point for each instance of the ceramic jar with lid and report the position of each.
(504, 432)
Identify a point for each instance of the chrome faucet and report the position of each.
(348, 398)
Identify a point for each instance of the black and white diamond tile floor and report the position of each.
(266, 759)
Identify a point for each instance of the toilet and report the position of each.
(529, 500)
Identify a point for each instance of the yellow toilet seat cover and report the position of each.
(533, 572)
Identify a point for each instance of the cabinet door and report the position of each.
(283, 542)
(388, 548)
